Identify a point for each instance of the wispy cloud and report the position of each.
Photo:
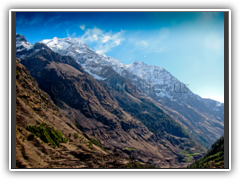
(82, 27)
(149, 45)
(64, 23)
(142, 44)
(155, 42)
(104, 41)
(71, 35)
(52, 19)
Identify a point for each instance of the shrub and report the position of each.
(75, 135)
(96, 142)
(47, 134)
(90, 145)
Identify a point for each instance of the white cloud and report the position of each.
(117, 42)
(104, 41)
(82, 27)
(95, 37)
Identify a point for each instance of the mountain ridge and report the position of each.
(154, 82)
(95, 110)
(103, 59)
(76, 43)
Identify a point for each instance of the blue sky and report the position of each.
(190, 45)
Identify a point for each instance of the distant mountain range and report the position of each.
(140, 111)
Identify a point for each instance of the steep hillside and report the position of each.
(214, 158)
(107, 114)
(46, 138)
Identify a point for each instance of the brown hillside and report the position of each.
(34, 107)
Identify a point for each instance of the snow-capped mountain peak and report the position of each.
(22, 43)
(62, 44)
(94, 63)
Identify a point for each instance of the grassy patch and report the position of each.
(90, 145)
(185, 152)
(189, 158)
(188, 154)
(47, 134)
(96, 142)
(75, 135)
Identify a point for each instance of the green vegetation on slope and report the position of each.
(214, 158)
(188, 154)
(47, 134)
(95, 142)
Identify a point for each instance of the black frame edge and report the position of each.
(13, 90)
(226, 90)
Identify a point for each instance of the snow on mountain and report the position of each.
(148, 77)
(90, 60)
(150, 73)
(22, 44)
(214, 105)
(64, 44)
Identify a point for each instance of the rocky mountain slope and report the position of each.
(145, 133)
(46, 138)
(202, 118)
